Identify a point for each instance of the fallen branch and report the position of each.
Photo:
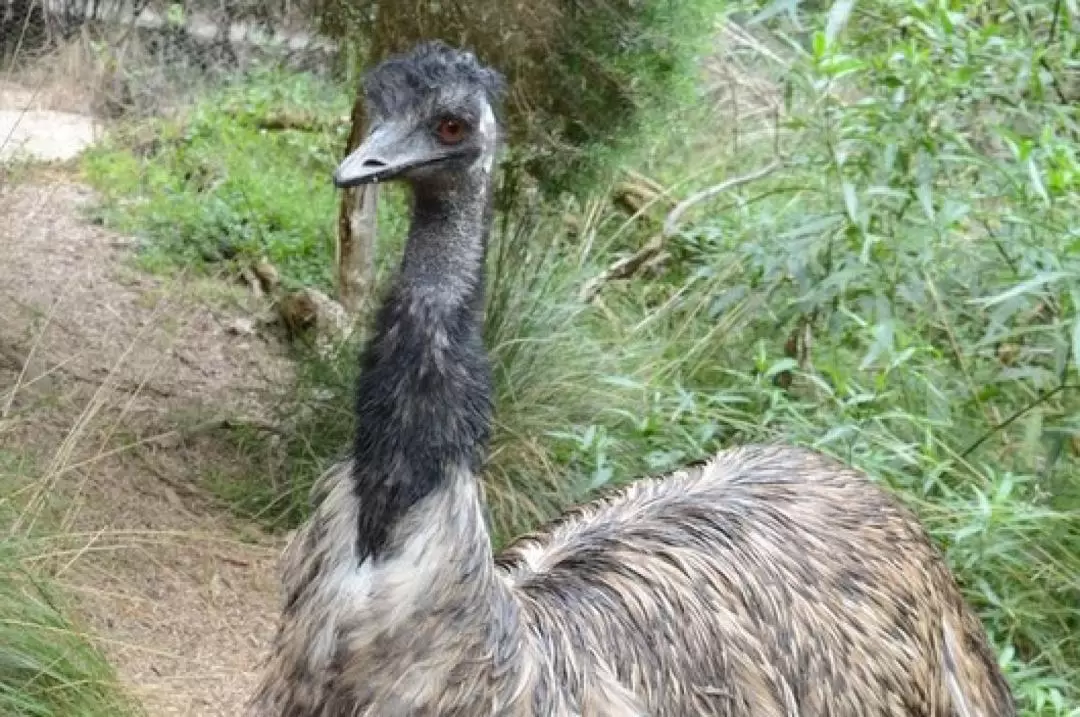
(1035, 403)
(17, 361)
(644, 180)
(628, 266)
(127, 387)
(297, 121)
(623, 268)
(673, 217)
(225, 424)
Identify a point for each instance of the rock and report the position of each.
(44, 135)
(241, 326)
(252, 280)
(210, 254)
(227, 248)
(267, 274)
(311, 311)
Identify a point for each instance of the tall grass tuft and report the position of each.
(548, 373)
(48, 668)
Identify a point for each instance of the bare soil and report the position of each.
(104, 371)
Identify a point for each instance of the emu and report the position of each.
(764, 581)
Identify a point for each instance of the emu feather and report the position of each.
(768, 581)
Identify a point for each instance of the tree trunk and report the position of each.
(357, 229)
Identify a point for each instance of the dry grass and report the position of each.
(71, 78)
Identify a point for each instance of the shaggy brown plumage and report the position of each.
(766, 582)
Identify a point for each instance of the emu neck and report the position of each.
(421, 581)
(444, 254)
(424, 394)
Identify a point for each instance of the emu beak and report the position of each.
(387, 152)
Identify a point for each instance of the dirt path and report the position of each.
(106, 358)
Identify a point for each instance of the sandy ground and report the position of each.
(100, 365)
(30, 130)
(23, 134)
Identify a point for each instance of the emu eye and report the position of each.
(450, 131)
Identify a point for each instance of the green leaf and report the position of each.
(901, 358)
(841, 65)
(1036, 180)
(926, 199)
(601, 476)
(1076, 343)
(883, 343)
(175, 14)
(1033, 431)
(622, 382)
(775, 8)
(851, 202)
(784, 364)
(838, 18)
(1026, 287)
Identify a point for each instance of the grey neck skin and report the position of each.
(447, 242)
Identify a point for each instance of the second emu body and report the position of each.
(767, 581)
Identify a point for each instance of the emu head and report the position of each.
(431, 114)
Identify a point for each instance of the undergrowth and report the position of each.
(243, 174)
(902, 290)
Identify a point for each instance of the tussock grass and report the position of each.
(546, 371)
(48, 666)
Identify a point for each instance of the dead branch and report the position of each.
(16, 360)
(643, 180)
(623, 268)
(627, 266)
(298, 121)
(357, 226)
(673, 217)
(229, 424)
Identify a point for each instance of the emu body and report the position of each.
(767, 581)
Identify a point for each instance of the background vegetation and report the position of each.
(585, 74)
(214, 184)
(899, 285)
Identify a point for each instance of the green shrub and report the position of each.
(923, 232)
(245, 173)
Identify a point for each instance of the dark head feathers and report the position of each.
(404, 81)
